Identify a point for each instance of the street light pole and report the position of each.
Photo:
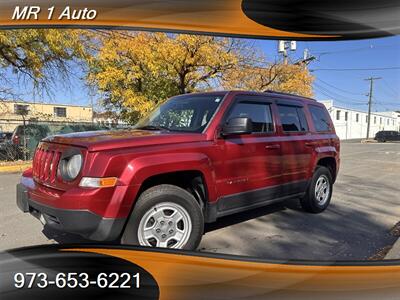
(371, 87)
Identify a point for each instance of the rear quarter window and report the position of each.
(320, 117)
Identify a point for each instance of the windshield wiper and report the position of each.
(153, 127)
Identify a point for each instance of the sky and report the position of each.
(347, 88)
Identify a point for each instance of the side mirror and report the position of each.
(237, 126)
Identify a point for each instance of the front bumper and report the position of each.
(82, 222)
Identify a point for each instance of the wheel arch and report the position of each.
(192, 181)
(330, 164)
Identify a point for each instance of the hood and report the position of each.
(116, 139)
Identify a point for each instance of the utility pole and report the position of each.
(307, 59)
(371, 87)
(284, 46)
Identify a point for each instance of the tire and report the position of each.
(310, 202)
(158, 209)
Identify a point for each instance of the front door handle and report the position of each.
(273, 146)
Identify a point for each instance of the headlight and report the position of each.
(71, 166)
(74, 166)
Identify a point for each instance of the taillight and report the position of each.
(15, 140)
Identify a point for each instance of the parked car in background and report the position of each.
(24, 139)
(5, 136)
(387, 135)
(7, 150)
(194, 159)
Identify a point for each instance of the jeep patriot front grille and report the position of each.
(45, 163)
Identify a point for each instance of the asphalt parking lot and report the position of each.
(364, 208)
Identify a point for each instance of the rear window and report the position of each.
(320, 118)
(293, 118)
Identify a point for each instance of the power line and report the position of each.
(326, 93)
(386, 107)
(377, 101)
(337, 95)
(370, 47)
(388, 94)
(396, 93)
(335, 87)
(356, 69)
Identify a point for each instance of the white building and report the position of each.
(394, 114)
(109, 119)
(352, 124)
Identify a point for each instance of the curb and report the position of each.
(14, 168)
(394, 252)
(364, 141)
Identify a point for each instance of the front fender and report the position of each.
(141, 168)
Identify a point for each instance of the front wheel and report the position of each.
(319, 192)
(165, 216)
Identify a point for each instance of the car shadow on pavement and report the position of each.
(252, 214)
(341, 233)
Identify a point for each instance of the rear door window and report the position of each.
(293, 118)
(320, 118)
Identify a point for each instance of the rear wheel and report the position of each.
(165, 216)
(319, 192)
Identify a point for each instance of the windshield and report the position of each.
(189, 113)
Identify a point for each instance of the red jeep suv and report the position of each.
(195, 158)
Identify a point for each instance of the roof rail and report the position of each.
(288, 94)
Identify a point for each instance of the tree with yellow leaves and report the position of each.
(137, 71)
(39, 55)
(278, 77)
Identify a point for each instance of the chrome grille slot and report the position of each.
(45, 164)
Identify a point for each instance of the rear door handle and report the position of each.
(273, 146)
(310, 144)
